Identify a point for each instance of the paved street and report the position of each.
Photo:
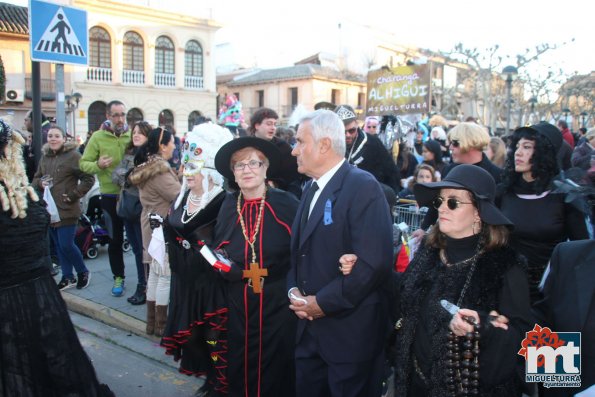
(132, 366)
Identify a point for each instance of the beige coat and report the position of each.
(158, 187)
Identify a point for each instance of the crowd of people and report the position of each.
(267, 265)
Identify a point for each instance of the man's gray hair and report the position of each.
(326, 124)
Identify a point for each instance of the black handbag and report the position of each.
(129, 206)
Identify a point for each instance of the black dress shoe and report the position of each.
(140, 296)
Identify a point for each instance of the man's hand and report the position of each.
(309, 310)
(104, 162)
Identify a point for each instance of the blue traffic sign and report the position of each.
(58, 34)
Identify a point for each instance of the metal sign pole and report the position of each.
(60, 113)
(36, 111)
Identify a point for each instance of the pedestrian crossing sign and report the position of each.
(58, 34)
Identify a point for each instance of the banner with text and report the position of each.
(401, 90)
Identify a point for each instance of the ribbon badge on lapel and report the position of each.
(328, 213)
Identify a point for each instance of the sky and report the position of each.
(270, 34)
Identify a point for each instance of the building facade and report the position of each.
(156, 62)
(283, 89)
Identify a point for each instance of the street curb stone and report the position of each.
(107, 315)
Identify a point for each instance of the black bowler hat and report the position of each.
(468, 177)
(223, 156)
(548, 131)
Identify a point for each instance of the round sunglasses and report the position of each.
(451, 203)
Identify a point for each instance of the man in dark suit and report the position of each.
(343, 319)
(568, 305)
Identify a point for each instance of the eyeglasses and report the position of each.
(252, 164)
(351, 131)
(451, 203)
(455, 143)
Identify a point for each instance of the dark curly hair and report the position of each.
(544, 162)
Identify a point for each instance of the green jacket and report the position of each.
(104, 143)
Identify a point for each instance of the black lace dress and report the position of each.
(195, 333)
(40, 354)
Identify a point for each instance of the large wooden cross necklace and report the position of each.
(255, 274)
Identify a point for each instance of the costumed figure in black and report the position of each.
(40, 354)
(254, 230)
(541, 216)
(195, 333)
(367, 152)
(464, 299)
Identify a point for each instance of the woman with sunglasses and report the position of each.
(158, 187)
(463, 279)
(140, 133)
(254, 230)
(541, 216)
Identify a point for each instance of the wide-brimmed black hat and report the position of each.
(468, 177)
(548, 131)
(223, 156)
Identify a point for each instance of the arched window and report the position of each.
(192, 119)
(134, 115)
(193, 59)
(164, 55)
(96, 115)
(134, 51)
(166, 118)
(100, 48)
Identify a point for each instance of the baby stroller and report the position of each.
(90, 234)
(91, 230)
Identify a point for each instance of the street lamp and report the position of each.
(583, 119)
(566, 111)
(510, 73)
(72, 103)
(532, 101)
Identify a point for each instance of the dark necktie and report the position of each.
(307, 203)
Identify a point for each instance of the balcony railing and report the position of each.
(48, 89)
(133, 77)
(194, 82)
(165, 79)
(101, 75)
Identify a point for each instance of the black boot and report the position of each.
(139, 297)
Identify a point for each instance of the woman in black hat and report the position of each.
(254, 230)
(464, 261)
(541, 217)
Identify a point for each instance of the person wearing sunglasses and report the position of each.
(466, 260)
(371, 125)
(467, 144)
(366, 151)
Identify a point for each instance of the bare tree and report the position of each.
(485, 87)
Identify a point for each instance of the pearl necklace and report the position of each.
(187, 216)
(251, 240)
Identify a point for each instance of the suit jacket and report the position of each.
(350, 216)
(568, 302)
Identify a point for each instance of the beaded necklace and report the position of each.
(252, 240)
(462, 369)
(188, 215)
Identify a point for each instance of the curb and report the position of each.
(107, 316)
